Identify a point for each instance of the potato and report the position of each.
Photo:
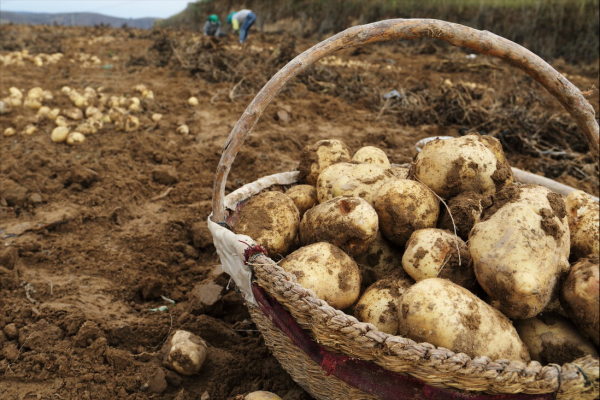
(59, 134)
(349, 223)
(580, 299)
(271, 219)
(372, 155)
(584, 218)
(444, 314)
(520, 249)
(552, 338)
(362, 180)
(303, 196)
(400, 171)
(315, 158)
(466, 210)
(379, 261)
(326, 270)
(186, 353)
(469, 163)
(434, 253)
(404, 206)
(262, 395)
(328, 176)
(378, 305)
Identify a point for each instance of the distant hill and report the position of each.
(73, 19)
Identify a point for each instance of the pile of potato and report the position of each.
(447, 250)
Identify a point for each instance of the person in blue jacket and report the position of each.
(241, 21)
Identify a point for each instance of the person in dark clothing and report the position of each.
(212, 27)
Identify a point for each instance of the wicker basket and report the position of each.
(334, 356)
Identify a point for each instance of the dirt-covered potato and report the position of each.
(328, 176)
(185, 352)
(326, 270)
(315, 158)
(379, 261)
(349, 223)
(362, 180)
(584, 218)
(304, 197)
(272, 219)
(262, 395)
(580, 298)
(520, 249)
(378, 305)
(404, 206)
(400, 171)
(444, 314)
(463, 212)
(372, 155)
(470, 163)
(437, 253)
(552, 338)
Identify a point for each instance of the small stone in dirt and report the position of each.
(282, 116)
(9, 257)
(35, 198)
(13, 193)
(11, 331)
(165, 175)
(157, 382)
(10, 352)
(87, 334)
(206, 294)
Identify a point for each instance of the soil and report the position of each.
(104, 243)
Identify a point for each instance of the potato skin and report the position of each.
(378, 305)
(584, 218)
(326, 270)
(315, 158)
(470, 163)
(349, 223)
(362, 180)
(372, 155)
(404, 206)
(272, 219)
(328, 176)
(433, 253)
(303, 196)
(444, 314)
(379, 261)
(580, 298)
(520, 250)
(552, 338)
(466, 210)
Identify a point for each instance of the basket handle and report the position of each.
(483, 42)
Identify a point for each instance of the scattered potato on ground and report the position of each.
(469, 163)
(404, 206)
(520, 249)
(185, 352)
(304, 197)
(59, 134)
(372, 155)
(584, 220)
(326, 270)
(315, 158)
(437, 253)
(580, 297)
(271, 219)
(378, 305)
(349, 223)
(444, 314)
(552, 338)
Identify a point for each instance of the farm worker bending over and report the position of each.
(242, 21)
(212, 27)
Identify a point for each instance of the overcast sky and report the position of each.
(114, 8)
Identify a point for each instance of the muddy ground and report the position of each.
(93, 235)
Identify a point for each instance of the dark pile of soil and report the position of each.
(94, 235)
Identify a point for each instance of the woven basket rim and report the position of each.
(497, 376)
